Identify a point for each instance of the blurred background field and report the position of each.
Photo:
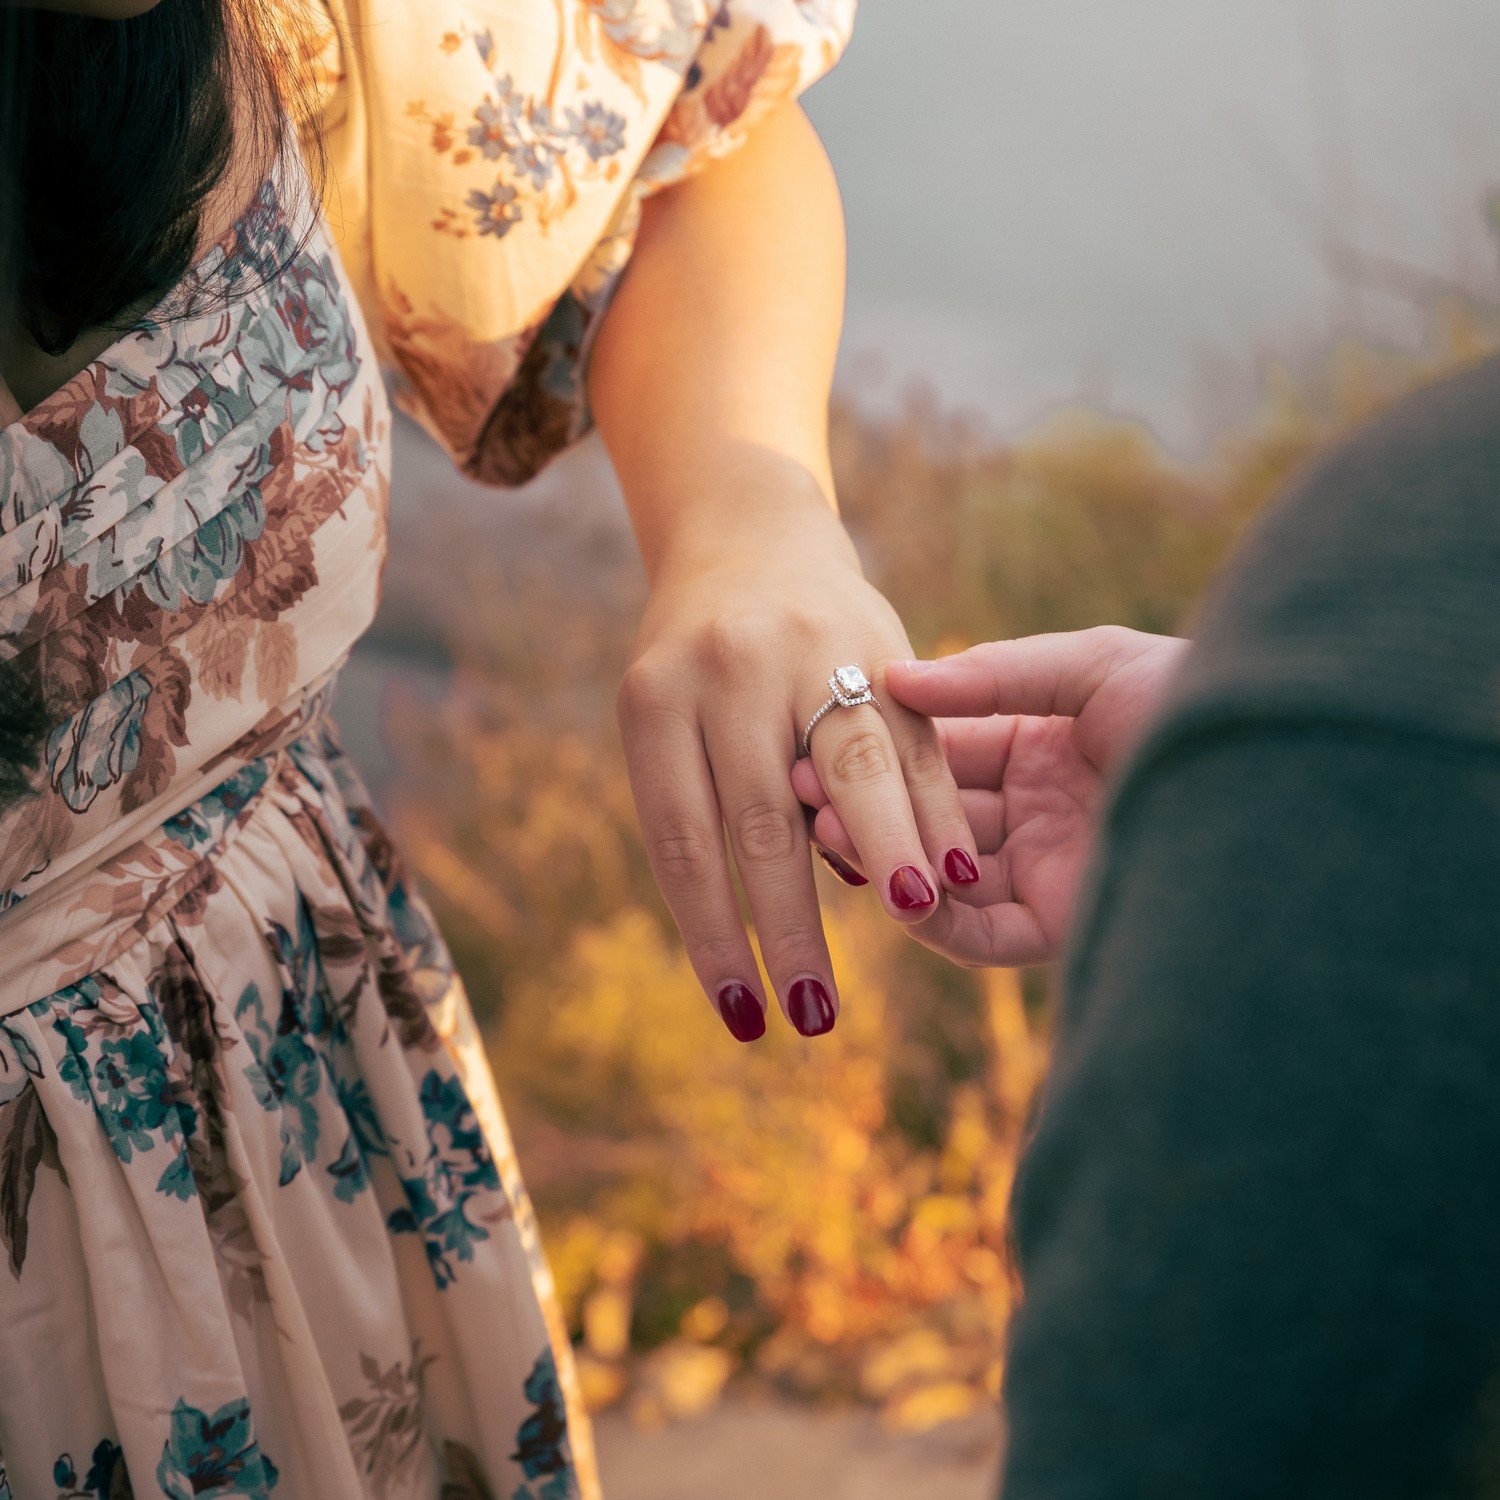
(785, 1265)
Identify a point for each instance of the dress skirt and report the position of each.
(262, 1229)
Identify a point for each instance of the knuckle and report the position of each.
(1109, 640)
(738, 638)
(765, 831)
(923, 761)
(799, 625)
(730, 641)
(718, 954)
(646, 690)
(936, 932)
(681, 855)
(960, 954)
(797, 952)
(862, 757)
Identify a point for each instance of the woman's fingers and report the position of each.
(674, 792)
(768, 835)
(860, 769)
(934, 797)
(843, 861)
(984, 812)
(847, 869)
(976, 751)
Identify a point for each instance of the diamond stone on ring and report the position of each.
(850, 688)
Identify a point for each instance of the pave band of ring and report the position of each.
(850, 689)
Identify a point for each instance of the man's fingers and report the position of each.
(977, 749)
(1003, 936)
(1040, 675)
(806, 784)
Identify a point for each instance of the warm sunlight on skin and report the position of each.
(1031, 727)
(710, 383)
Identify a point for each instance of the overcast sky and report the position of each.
(1125, 199)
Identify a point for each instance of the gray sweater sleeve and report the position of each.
(1258, 1224)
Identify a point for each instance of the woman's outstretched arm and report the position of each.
(722, 336)
(710, 382)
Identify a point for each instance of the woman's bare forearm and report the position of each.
(711, 375)
(710, 382)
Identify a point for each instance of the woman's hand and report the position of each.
(709, 380)
(740, 637)
(1030, 729)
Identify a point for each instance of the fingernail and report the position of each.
(741, 1012)
(840, 867)
(910, 890)
(810, 1008)
(960, 868)
(916, 664)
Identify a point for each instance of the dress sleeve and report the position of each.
(484, 167)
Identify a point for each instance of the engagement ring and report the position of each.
(850, 689)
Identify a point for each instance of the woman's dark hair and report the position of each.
(112, 135)
(117, 132)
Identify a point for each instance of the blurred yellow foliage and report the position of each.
(829, 1214)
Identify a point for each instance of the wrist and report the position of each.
(771, 510)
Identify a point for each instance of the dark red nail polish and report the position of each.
(741, 1012)
(841, 867)
(960, 868)
(810, 1008)
(910, 890)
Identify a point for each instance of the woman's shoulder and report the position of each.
(484, 165)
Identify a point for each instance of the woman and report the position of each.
(263, 1228)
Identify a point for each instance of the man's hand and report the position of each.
(1031, 729)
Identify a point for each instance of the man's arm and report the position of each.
(1259, 1222)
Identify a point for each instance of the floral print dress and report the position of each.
(261, 1228)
